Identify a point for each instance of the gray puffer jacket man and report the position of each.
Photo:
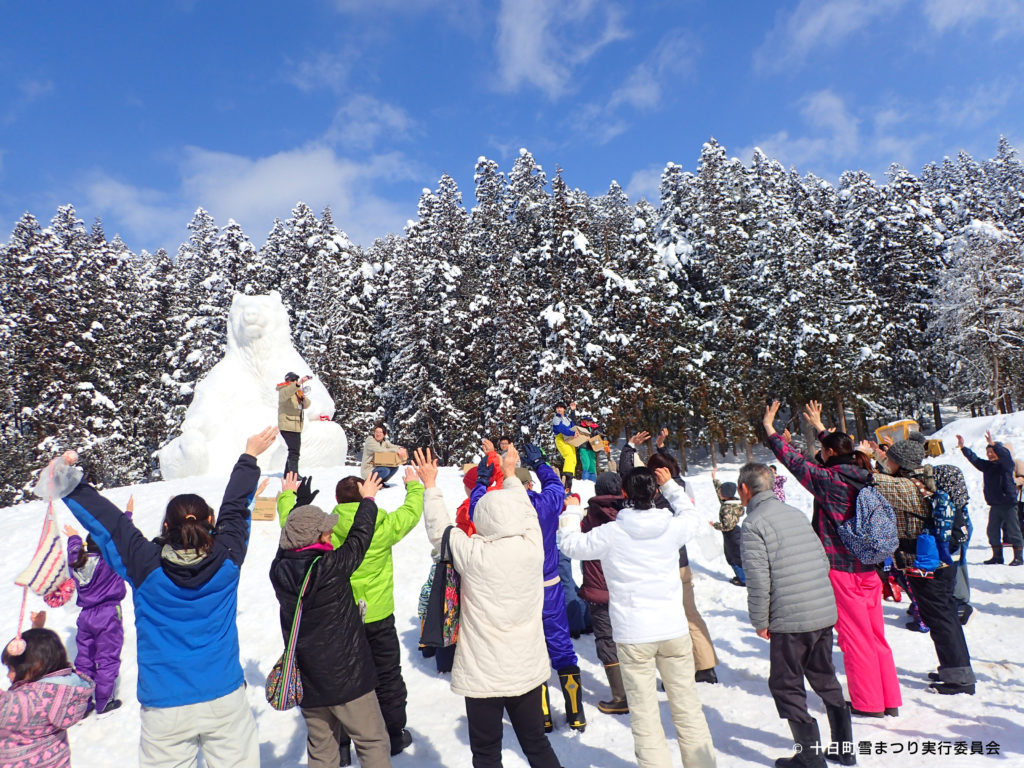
(791, 603)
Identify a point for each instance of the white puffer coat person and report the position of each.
(639, 554)
(645, 595)
(501, 650)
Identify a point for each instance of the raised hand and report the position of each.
(812, 412)
(487, 446)
(426, 467)
(509, 461)
(769, 417)
(130, 506)
(369, 487)
(305, 494)
(640, 438)
(259, 490)
(259, 442)
(662, 475)
(289, 483)
(38, 619)
(988, 438)
(787, 436)
(660, 442)
(69, 531)
(410, 475)
(959, 441)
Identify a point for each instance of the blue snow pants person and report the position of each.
(549, 504)
(575, 607)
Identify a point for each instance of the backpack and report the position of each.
(871, 533)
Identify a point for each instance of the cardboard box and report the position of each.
(265, 508)
(386, 459)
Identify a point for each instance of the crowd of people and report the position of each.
(808, 583)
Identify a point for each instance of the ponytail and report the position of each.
(187, 523)
(88, 546)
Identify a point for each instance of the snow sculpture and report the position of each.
(238, 398)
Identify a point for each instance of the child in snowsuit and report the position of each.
(729, 513)
(100, 630)
(46, 698)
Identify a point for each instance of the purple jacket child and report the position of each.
(35, 716)
(100, 631)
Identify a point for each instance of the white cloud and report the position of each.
(947, 14)
(645, 183)
(833, 138)
(979, 105)
(254, 191)
(538, 43)
(364, 120)
(835, 135)
(814, 24)
(33, 89)
(673, 57)
(321, 70)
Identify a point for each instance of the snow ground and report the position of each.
(740, 712)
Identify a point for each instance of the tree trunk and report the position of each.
(936, 414)
(1009, 402)
(841, 409)
(974, 413)
(861, 422)
(681, 431)
(749, 450)
(714, 454)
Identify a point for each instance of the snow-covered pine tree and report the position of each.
(424, 308)
(567, 322)
(978, 315)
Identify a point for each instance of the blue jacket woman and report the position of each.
(185, 592)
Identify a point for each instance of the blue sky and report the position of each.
(141, 112)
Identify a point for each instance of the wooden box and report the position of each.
(265, 508)
(386, 459)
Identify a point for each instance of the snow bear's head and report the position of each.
(258, 325)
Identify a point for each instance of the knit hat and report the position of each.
(469, 479)
(917, 437)
(291, 376)
(608, 484)
(524, 475)
(727, 491)
(908, 454)
(304, 526)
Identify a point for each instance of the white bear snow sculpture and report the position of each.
(238, 398)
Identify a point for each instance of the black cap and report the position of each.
(291, 376)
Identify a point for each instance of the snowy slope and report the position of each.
(743, 720)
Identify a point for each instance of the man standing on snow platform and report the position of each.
(291, 401)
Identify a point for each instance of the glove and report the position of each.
(532, 456)
(484, 470)
(59, 478)
(304, 495)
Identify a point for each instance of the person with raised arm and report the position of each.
(867, 657)
(501, 659)
(185, 589)
(639, 553)
(1001, 496)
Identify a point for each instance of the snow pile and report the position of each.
(238, 397)
(739, 709)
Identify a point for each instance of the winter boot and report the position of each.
(1018, 556)
(617, 705)
(997, 557)
(545, 707)
(808, 742)
(400, 741)
(841, 750)
(572, 690)
(706, 675)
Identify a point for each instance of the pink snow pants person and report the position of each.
(867, 657)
